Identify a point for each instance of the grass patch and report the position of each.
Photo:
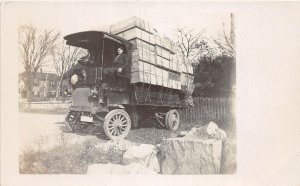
(68, 159)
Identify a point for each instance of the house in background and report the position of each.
(44, 86)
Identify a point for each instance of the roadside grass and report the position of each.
(67, 158)
(45, 111)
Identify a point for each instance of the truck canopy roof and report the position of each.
(89, 39)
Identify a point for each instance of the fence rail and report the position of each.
(218, 110)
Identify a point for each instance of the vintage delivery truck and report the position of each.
(152, 85)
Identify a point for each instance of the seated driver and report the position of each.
(121, 61)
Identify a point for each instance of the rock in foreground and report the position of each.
(191, 156)
(198, 152)
(145, 154)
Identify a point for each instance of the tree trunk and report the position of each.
(28, 85)
(59, 93)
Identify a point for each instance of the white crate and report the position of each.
(126, 24)
(165, 53)
(132, 34)
(137, 66)
(159, 80)
(152, 69)
(158, 60)
(165, 75)
(165, 83)
(184, 68)
(157, 40)
(151, 39)
(152, 58)
(147, 68)
(144, 55)
(159, 72)
(153, 79)
(165, 63)
(146, 36)
(137, 55)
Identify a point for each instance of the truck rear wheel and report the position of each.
(172, 120)
(117, 124)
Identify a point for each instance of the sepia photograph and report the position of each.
(137, 93)
(150, 93)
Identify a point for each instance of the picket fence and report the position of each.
(218, 110)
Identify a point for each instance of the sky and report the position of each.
(70, 17)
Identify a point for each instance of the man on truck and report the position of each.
(121, 61)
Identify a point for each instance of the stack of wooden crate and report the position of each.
(154, 60)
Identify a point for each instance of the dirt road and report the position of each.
(43, 131)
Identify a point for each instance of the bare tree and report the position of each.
(190, 44)
(226, 41)
(65, 58)
(35, 48)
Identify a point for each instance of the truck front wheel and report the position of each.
(117, 124)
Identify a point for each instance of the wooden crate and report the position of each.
(162, 52)
(137, 55)
(137, 66)
(136, 33)
(166, 83)
(140, 77)
(183, 67)
(147, 68)
(131, 23)
(159, 72)
(153, 79)
(174, 66)
(159, 80)
(165, 75)
(165, 63)
(138, 43)
(144, 55)
(186, 79)
(164, 42)
(153, 69)
(158, 60)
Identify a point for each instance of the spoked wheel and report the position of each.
(117, 124)
(172, 120)
(73, 124)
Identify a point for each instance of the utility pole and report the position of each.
(232, 29)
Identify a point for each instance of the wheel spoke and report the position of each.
(110, 128)
(124, 128)
(120, 130)
(123, 119)
(117, 131)
(114, 118)
(124, 125)
(112, 131)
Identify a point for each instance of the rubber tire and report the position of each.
(67, 124)
(109, 116)
(169, 120)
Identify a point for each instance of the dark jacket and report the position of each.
(122, 61)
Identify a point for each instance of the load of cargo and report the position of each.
(154, 58)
